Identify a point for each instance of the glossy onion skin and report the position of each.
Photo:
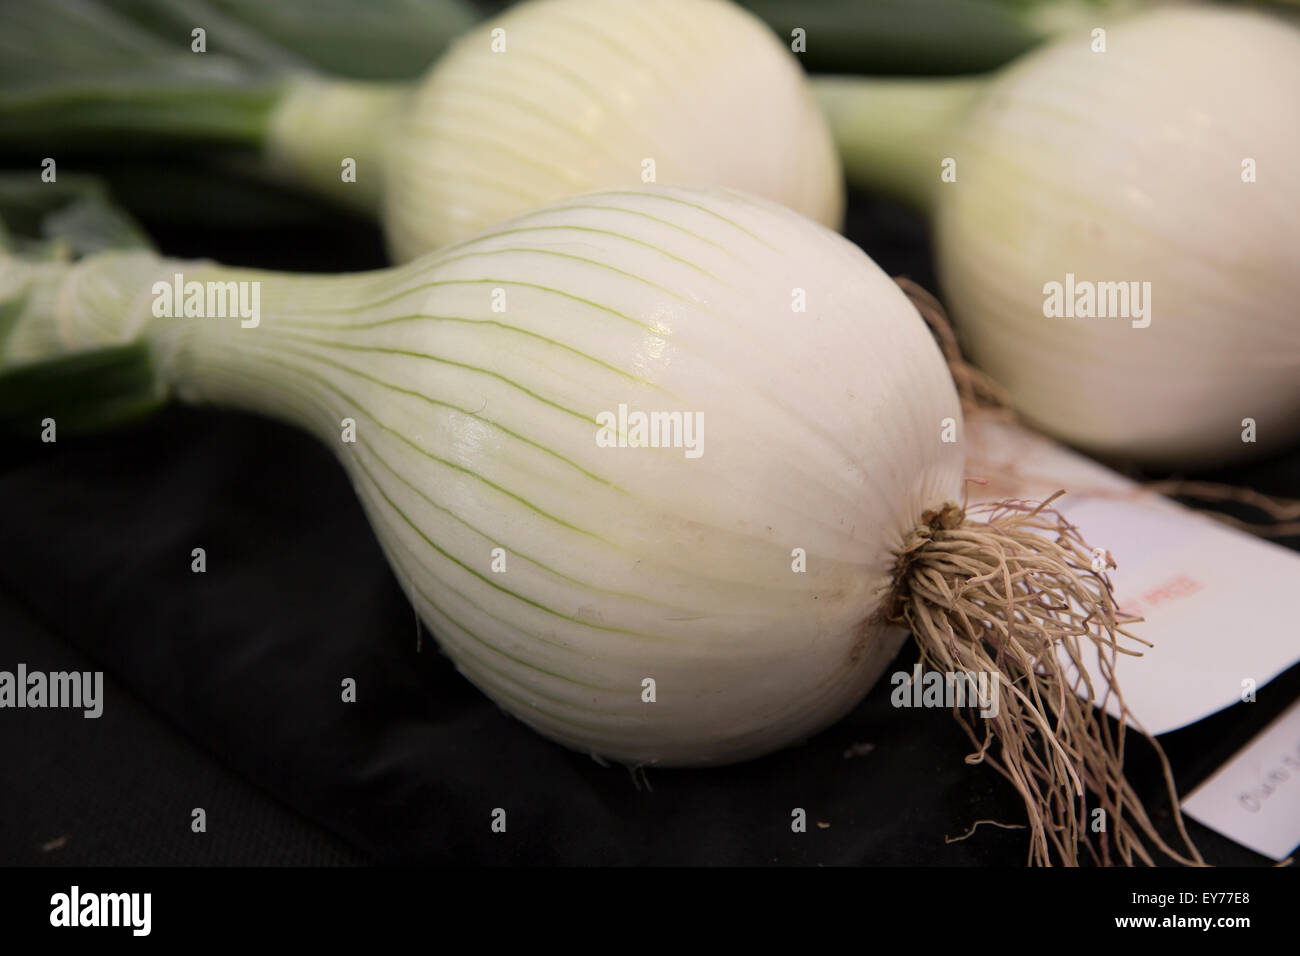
(1127, 166)
(475, 429)
(583, 94)
(823, 431)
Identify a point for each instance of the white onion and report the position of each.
(822, 432)
(702, 602)
(583, 94)
(1122, 166)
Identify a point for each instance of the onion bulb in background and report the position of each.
(552, 98)
(753, 562)
(593, 94)
(1170, 159)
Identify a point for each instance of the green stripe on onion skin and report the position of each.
(1122, 166)
(823, 431)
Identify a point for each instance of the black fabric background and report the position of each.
(223, 688)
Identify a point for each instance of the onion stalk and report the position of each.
(628, 598)
(1164, 168)
(924, 37)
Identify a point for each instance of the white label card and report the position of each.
(1219, 603)
(1255, 797)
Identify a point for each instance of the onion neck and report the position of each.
(28, 290)
(264, 351)
(320, 124)
(894, 134)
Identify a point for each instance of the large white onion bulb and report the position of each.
(1171, 158)
(1128, 166)
(747, 583)
(560, 97)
